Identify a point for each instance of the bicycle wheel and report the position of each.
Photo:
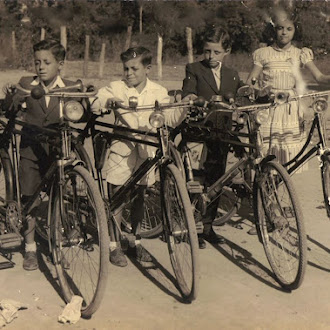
(79, 239)
(41, 211)
(325, 173)
(180, 232)
(6, 178)
(235, 189)
(81, 154)
(151, 225)
(280, 224)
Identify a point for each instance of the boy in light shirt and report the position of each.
(125, 156)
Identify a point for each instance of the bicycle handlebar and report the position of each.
(38, 92)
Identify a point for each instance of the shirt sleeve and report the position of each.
(306, 55)
(104, 94)
(257, 57)
(189, 83)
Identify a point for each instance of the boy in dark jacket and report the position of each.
(207, 78)
(35, 158)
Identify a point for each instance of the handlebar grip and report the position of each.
(37, 92)
(199, 102)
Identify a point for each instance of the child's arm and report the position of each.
(174, 116)
(254, 74)
(103, 97)
(317, 74)
(189, 88)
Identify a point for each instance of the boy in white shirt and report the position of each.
(125, 156)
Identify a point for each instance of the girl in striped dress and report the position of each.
(278, 66)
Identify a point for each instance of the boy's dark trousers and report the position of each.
(215, 166)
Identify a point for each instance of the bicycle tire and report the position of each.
(42, 211)
(151, 225)
(325, 174)
(177, 159)
(80, 229)
(280, 224)
(6, 178)
(231, 197)
(180, 232)
(81, 153)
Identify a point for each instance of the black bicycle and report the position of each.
(260, 179)
(76, 225)
(319, 146)
(167, 200)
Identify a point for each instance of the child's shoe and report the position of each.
(118, 258)
(30, 261)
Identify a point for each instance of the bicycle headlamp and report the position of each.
(320, 105)
(261, 117)
(73, 111)
(157, 119)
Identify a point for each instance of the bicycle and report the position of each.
(174, 207)
(76, 223)
(278, 214)
(319, 148)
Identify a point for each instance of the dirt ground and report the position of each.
(236, 287)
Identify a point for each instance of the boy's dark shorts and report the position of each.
(31, 174)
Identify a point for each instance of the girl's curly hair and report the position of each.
(269, 33)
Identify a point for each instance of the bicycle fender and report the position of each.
(267, 159)
(75, 162)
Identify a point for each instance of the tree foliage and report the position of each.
(106, 21)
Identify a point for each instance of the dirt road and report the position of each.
(236, 288)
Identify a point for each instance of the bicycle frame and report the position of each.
(318, 149)
(161, 157)
(253, 157)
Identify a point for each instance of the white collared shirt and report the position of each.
(139, 119)
(58, 82)
(217, 75)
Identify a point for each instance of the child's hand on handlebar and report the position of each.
(189, 97)
(9, 89)
(113, 103)
(96, 107)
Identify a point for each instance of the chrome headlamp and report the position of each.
(73, 111)
(261, 117)
(281, 97)
(157, 119)
(320, 105)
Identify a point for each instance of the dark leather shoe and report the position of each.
(213, 238)
(30, 261)
(201, 242)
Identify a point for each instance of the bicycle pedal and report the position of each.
(194, 187)
(10, 241)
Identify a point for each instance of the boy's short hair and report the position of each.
(53, 45)
(218, 34)
(144, 53)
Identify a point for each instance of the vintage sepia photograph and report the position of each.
(165, 164)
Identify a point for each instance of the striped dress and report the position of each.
(283, 132)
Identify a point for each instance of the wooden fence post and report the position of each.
(13, 43)
(86, 57)
(140, 18)
(64, 44)
(42, 34)
(159, 56)
(128, 37)
(189, 45)
(63, 36)
(102, 55)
